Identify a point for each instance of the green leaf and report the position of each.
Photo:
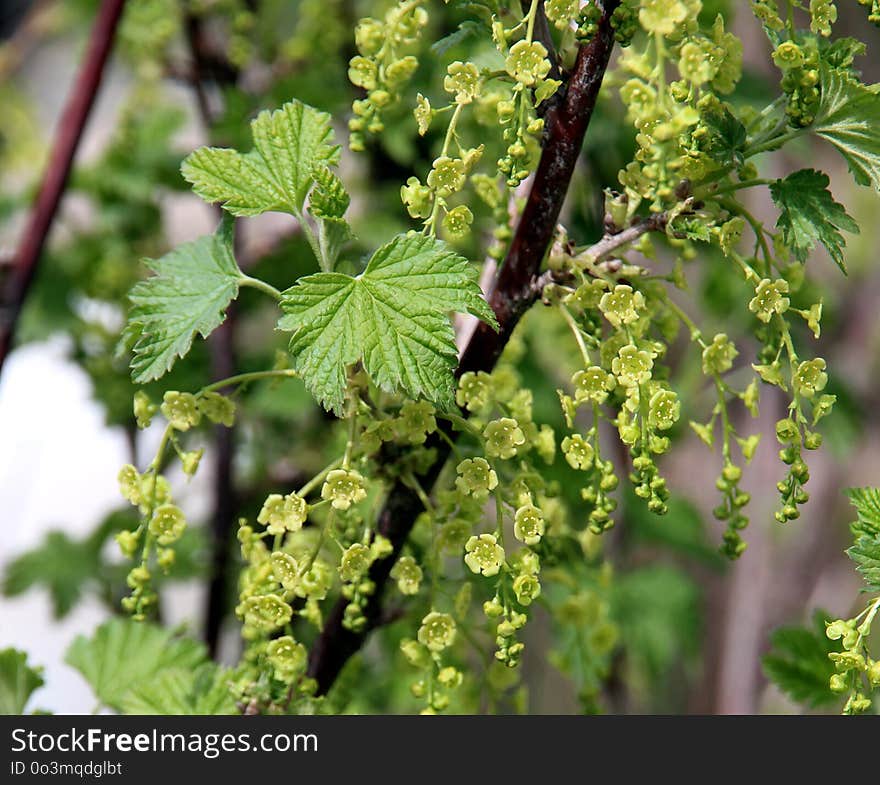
(65, 567)
(848, 117)
(327, 204)
(182, 692)
(798, 662)
(809, 215)
(865, 551)
(464, 32)
(124, 653)
(394, 317)
(866, 555)
(691, 228)
(840, 52)
(727, 137)
(277, 173)
(189, 294)
(17, 681)
(658, 610)
(867, 504)
(329, 198)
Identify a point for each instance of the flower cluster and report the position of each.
(382, 66)
(857, 673)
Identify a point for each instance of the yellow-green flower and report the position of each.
(437, 631)
(664, 408)
(362, 72)
(408, 575)
(282, 514)
(181, 410)
(344, 488)
(167, 524)
(527, 588)
(592, 384)
(622, 305)
(474, 390)
(355, 562)
(287, 657)
(476, 477)
(810, 377)
(463, 81)
(662, 16)
(528, 526)
(694, 63)
(447, 175)
(415, 421)
(416, 197)
(285, 569)
(423, 114)
(578, 452)
(457, 221)
(266, 612)
(217, 408)
(788, 55)
(503, 437)
(483, 555)
(632, 366)
(527, 62)
(718, 356)
(770, 299)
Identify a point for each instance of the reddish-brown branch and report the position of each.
(70, 130)
(514, 292)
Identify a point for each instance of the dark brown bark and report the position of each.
(67, 138)
(514, 292)
(225, 497)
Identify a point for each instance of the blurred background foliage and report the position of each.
(671, 626)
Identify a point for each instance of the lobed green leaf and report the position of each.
(809, 215)
(277, 173)
(123, 654)
(394, 318)
(798, 662)
(189, 293)
(17, 681)
(848, 117)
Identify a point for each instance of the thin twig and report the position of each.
(596, 255)
(70, 129)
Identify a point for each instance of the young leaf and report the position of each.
(866, 555)
(177, 691)
(328, 202)
(277, 173)
(867, 504)
(68, 568)
(124, 653)
(189, 294)
(798, 663)
(848, 117)
(658, 610)
(464, 32)
(329, 198)
(840, 52)
(727, 137)
(63, 565)
(394, 317)
(809, 215)
(17, 681)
